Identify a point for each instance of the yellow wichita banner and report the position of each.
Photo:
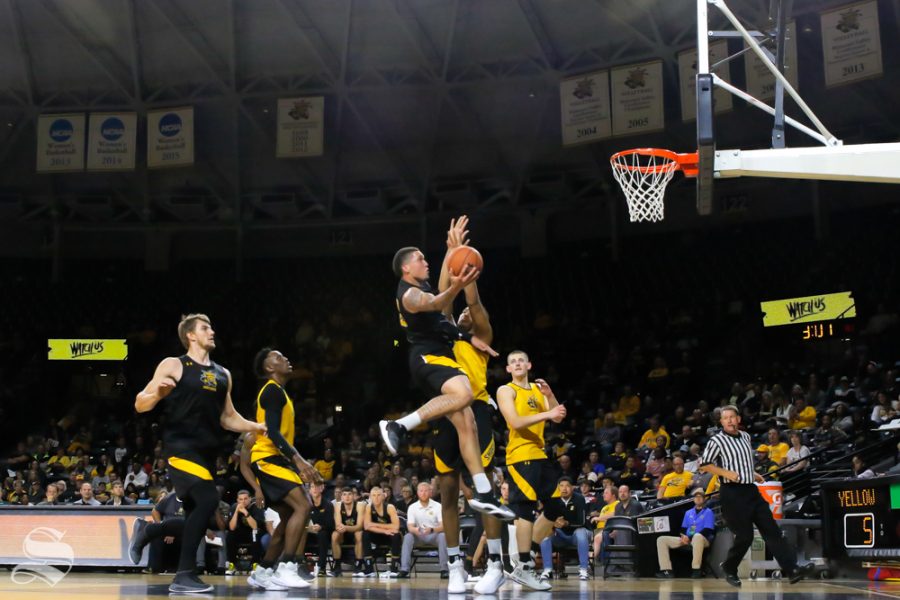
(85, 349)
(824, 307)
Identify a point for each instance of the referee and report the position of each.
(729, 455)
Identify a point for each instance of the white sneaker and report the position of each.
(546, 575)
(261, 578)
(524, 575)
(458, 576)
(583, 574)
(492, 579)
(286, 575)
(388, 575)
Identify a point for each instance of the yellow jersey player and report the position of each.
(526, 407)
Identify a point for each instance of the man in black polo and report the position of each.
(729, 454)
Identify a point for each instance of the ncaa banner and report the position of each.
(637, 98)
(760, 82)
(111, 141)
(824, 307)
(851, 43)
(584, 104)
(60, 143)
(301, 127)
(687, 74)
(170, 137)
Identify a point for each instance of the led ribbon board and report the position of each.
(809, 309)
(87, 349)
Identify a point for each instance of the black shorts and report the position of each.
(431, 371)
(445, 441)
(533, 480)
(188, 468)
(276, 477)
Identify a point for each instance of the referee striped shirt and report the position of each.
(731, 452)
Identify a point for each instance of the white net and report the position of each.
(643, 177)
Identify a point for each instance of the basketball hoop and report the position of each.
(644, 173)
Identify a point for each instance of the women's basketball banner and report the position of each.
(60, 143)
(585, 108)
(111, 141)
(170, 137)
(301, 127)
(851, 43)
(687, 74)
(637, 98)
(760, 81)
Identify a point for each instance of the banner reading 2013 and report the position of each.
(637, 95)
(851, 42)
(60, 143)
(170, 137)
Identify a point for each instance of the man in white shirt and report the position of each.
(426, 528)
(137, 476)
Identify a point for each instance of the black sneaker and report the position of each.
(731, 578)
(305, 573)
(665, 575)
(487, 504)
(393, 434)
(188, 583)
(803, 571)
(138, 541)
(445, 574)
(403, 575)
(696, 574)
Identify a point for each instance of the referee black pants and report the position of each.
(742, 508)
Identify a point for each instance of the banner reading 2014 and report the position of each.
(637, 96)
(60, 143)
(170, 137)
(111, 141)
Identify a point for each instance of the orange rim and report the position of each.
(687, 162)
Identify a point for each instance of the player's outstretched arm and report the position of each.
(167, 373)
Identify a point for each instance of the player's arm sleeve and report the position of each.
(272, 400)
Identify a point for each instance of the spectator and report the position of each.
(87, 495)
(649, 439)
(407, 498)
(599, 518)
(674, 485)
(860, 469)
(882, 412)
(827, 434)
(565, 467)
(397, 480)
(628, 406)
(120, 453)
(52, 497)
(137, 476)
(763, 464)
(777, 449)
(425, 528)
(698, 527)
(608, 434)
(798, 452)
(655, 467)
(596, 466)
(627, 506)
(245, 527)
(802, 416)
(117, 496)
(321, 524)
(325, 465)
(570, 516)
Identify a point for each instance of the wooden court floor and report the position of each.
(430, 587)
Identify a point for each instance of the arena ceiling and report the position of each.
(431, 106)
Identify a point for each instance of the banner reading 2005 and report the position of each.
(170, 137)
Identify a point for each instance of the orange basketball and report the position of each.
(465, 255)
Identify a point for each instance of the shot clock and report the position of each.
(861, 518)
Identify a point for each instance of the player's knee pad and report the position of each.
(524, 510)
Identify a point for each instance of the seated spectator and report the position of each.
(860, 469)
(586, 487)
(655, 467)
(698, 527)
(325, 465)
(882, 412)
(596, 466)
(565, 467)
(627, 506)
(397, 480)
(801, 416)
(674, 485)
(52, 496)
(649, 439)
(616, 460)
(407, 498)
(599, 519)
(827, 434)
(425, 526)
(777, 449)
(137, 476)
(628, 406)
(60, 461)
(691, 458)
(608, 434)
(246, 525)
(87, 495)
(321, 524)
(763, 464)
(117, 496)
(570, 519)
(798, 452)
(381, 529)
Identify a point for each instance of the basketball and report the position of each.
(462, 256)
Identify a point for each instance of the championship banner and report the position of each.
(687, 75)
(301, 127)
(60, 143)
(585, 109)
(825, 307)
(86, 349)
(170, 137)
(637, 98)
(851, 42)
(760, 81)
(111, 141)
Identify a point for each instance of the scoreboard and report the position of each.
(861, 518)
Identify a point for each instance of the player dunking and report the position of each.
(434, 368)
(275, 462)
(196, 397)
(474, 320)
(527, 407)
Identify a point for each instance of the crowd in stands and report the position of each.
(644, 351)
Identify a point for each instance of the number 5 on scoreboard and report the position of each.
(859, 530)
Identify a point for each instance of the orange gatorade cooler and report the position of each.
(771, 493)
